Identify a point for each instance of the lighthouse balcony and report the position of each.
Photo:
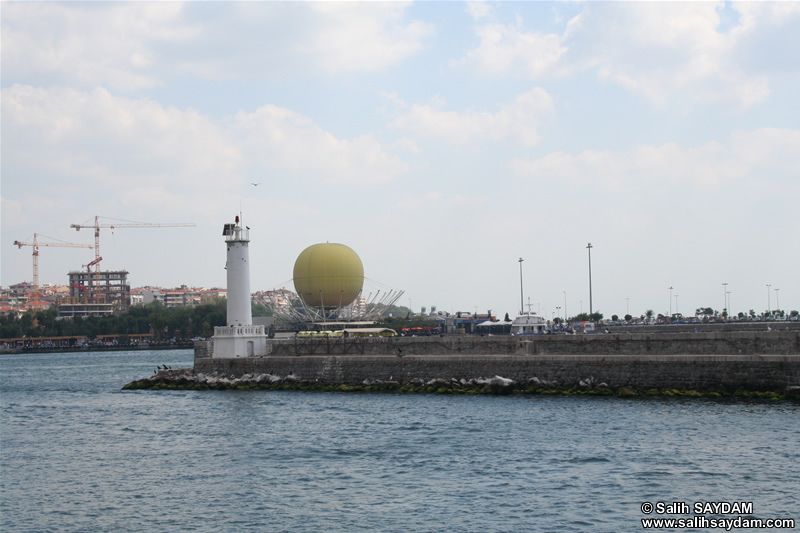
(237, 331)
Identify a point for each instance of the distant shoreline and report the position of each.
(78, 349)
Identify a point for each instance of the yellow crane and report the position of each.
(96, 226)
(35, 244)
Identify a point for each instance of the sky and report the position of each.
(442, 141)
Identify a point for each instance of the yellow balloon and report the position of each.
(328, 275)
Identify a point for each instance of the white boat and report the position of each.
(529, 324)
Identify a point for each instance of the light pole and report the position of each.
(558, 311)
(670, 304)
(769, 304)
(589, 247)
(521, 299)
(724, 298)
(729, 302)
(777, 302)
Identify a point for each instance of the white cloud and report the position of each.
(135, 46)
(124, 143)
(110, 44)
(273, 136)
(663, 50)
(517, 120)
(354, 36)
(509, 49)
(771, 13)
(478, 10)
(659, 50)
(112, 140)
(763, 155)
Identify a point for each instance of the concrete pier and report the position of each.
(721, 361)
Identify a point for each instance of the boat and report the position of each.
(529, 324)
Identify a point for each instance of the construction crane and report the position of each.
(96, 226)
(36, 245)
(89, 294)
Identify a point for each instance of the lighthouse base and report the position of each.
(239, 341)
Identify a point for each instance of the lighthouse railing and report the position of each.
(233, 331)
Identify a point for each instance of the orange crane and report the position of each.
(97, 227)
(36, 244)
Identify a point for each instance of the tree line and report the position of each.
(163, 322)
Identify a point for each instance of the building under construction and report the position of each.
(96, 294)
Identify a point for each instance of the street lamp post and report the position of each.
(670, 304)
(777, 302)
(589, 247)
(769, 304)
(724, 297)
(521, 298)
(558, 311)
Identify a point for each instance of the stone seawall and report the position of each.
(713, 343)
(730, 361)
(639, 372)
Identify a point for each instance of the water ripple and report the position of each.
(80, 455)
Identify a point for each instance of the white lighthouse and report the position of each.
(239, 337)
(238, 267)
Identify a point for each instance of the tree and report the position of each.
(395, 310)
(628, 318)
(258, 309)
(157, 322)
(586, 317)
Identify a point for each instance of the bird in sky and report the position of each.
(255, 184)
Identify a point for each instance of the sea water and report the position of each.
(78, 454)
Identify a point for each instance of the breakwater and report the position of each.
(710, 343)
(715, 363)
